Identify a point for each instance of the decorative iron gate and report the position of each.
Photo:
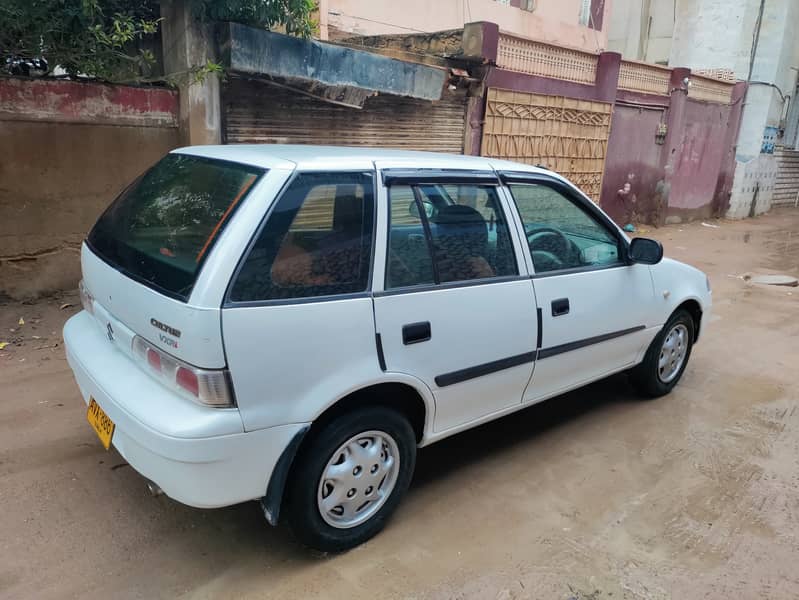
(566, 135)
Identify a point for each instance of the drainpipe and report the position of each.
(756, 40)
(646, 28)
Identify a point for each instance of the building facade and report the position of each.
(756, 40)
(642, 29)
(748, 40)
(575, 23)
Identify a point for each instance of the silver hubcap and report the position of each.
(672, 353)
(358, 479)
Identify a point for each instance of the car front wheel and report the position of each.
(350, 477)
(666, 358)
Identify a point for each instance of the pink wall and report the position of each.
(551, 21)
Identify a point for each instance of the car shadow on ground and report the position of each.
(521, 427)
(239, 534)
(495, 438)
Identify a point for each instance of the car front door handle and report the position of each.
(414, 333)
(560, 307)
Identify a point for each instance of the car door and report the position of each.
(298, 318)
(455, 305)
(595, 307)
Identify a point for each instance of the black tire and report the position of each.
(300, 504)
(645, 377)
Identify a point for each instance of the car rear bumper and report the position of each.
(197, 455)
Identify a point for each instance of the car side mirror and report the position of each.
(646, 251)
(429, 209)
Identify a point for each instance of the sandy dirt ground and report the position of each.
(592, 495)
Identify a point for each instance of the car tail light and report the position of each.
(86, 299)
(207, 386)
(188, 380)
(154, 359)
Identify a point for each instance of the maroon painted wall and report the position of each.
(698, 161)
(721, 198)
(689, 175)
(686, 175)
(521, 82)
(634, 157)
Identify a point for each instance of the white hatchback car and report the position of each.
(289, 323)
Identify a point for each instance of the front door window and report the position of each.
(561, 234)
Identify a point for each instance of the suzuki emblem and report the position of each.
(109, 331)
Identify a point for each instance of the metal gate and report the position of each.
(786, 188)
(258, 112)
(563, 134)
(634, 157)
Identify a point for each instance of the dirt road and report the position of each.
(593, 495)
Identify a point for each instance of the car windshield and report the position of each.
(161, 228)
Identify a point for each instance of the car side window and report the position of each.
(317, 240)
(444, 234)
(409, 258)
(560, 233)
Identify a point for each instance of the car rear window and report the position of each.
(161, 228)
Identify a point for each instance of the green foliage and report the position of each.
(94, 37)
(107, 39)
(295, 15)
(198, 73)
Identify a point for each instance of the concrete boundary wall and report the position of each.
(57, 101)
(68, 148)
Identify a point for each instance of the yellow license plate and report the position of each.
(100, 423)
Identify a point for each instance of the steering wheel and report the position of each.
(549, 248)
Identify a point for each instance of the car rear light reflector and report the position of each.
(86, 299)
(210, 387)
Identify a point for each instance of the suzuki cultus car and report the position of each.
(288, 324)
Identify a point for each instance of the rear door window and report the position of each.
(317, 241)
(446, 234)
(409, 258)
(162, 227)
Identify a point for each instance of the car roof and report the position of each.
(308, 157)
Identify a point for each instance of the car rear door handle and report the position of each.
(560, 307)
(414, 333)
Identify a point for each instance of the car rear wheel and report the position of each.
(350, 477)
(666, 358)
